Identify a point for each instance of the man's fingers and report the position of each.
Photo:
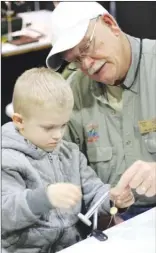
(141, 176)
(125, 197)
(138, 178)
(126, 203)
(134, 175)
(151, 191)
(127, 176)
(143, 188)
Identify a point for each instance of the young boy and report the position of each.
(45, 179)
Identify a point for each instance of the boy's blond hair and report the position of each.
(41, 87)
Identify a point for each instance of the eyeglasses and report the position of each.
(88, 49)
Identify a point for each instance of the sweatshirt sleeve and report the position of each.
(93, 188)
(21, 207)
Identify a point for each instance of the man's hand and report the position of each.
(122, 199)
(141, 176)
(64, 195)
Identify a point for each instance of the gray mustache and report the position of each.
(96, 67)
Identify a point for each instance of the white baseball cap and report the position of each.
(69, 23)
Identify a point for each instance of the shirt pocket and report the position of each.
(102, 160)
(150, 142)
(147, 142)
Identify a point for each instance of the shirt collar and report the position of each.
(135, 53)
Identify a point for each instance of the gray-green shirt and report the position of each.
(111, 139)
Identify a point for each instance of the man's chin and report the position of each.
(103, 80)
(105, 76)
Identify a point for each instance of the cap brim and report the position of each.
(66, 41)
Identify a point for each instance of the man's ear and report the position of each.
(111, 23)
(18, 121)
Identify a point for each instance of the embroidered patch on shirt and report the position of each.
(92, 133)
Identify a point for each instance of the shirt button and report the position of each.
(113, 112)
(128, 142)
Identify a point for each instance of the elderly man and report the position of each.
(114, 117)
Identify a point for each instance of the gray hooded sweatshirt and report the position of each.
(29, 222)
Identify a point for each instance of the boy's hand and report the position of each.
(122, 199)
(63, 195)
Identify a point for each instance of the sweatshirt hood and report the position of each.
(12, 139)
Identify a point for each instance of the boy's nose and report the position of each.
(57, 135)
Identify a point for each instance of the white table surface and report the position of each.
(41, 22)
(137, 235)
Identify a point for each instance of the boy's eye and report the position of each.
(53, 127)
(47, 128)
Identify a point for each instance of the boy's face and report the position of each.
(45, 128)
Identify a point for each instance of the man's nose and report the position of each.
(87, 63)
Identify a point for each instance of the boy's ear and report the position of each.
(18, 121)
